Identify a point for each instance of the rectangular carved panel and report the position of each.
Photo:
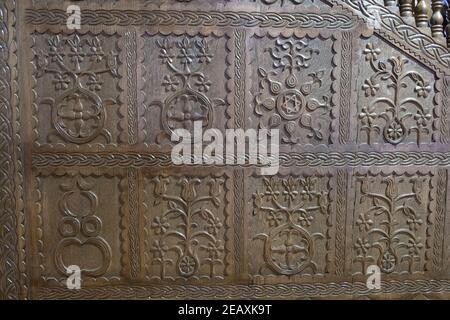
(395, 98)
(291, 81)
(78, 223)
(398, 220)
(186, 82)
(187, 226)
(76, 80)
(290, 226)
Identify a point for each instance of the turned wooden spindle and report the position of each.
(437, 19)
(390, 3)
(406, 8)
(421, 14)
(447, 28)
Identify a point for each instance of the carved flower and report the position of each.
(56, 54)
(422, 89)
(160, 187)
(214, 249)
(214, 190)
(215, 185)
(96, 53)
(160, 224)
(371, 52)
(414, 223)
(188, 192)
(364, 222)
(368, 115)
(165, 54)
(203, 56)
(395, 131)
(414, 247)
(362, 246)
(94, 82)
(272, 188)
(186, 55)
(61, 81)
(290, 186)
(203, 84)
(305, 219)
(422, 118)
(308, 188)
(185, 109)
(391, 188)
(214, 225)
(170, 83)
(76, 50)
(159, 247)
(187, 265)
(388, 261)
(370, 87)
(274, 218)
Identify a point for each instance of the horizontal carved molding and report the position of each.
(194, 18)
(286, 160)
(250, 291)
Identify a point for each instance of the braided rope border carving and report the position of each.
(293, 159)
(9, 287)
(248, 291)
(193, 18)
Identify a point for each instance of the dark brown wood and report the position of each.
(361, 99)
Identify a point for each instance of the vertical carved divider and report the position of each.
(341, 213)
(346, 87)
(438, 245)
(240, 47)
(9, 278)
(132, 99)
(134, 225)
(134, 133)
(443, 100)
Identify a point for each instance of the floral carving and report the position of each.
(391, 221)
(398, 115)
(187, 233)
(77, 65)
(186, 84)
(290, 206)
(285, 92)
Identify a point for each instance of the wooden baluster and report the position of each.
(437, 20)
(390, 3)
(447, 28)
(406, 10)
(421, 14)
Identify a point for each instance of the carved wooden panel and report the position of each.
(87, 177)
(87, 222)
